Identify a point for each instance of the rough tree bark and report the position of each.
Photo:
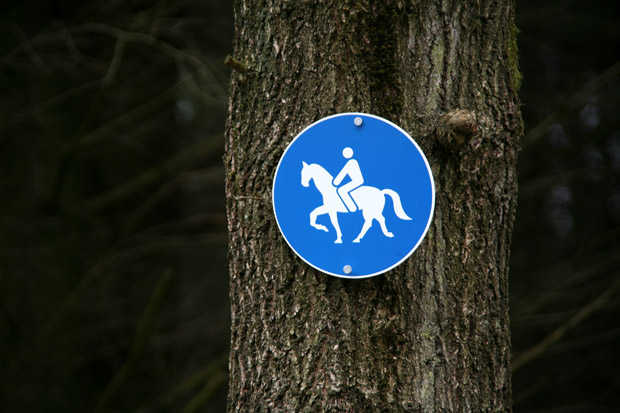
(433, 334)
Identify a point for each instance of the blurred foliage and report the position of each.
(113, 280)
(112, 221)
(565, 269)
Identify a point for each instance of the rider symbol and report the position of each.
(352, 170)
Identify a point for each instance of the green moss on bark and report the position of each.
(513, 59)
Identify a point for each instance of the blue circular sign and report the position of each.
(353, 195)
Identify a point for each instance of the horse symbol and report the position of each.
(370, 201)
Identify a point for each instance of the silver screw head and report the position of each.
(347, 269)
(358, 121)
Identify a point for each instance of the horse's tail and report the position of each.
(398, 207)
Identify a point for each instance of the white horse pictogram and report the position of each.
(369, 199)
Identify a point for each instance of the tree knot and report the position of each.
(456, 128)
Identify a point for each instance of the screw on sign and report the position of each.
(353, 195)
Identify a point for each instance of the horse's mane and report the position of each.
(321, 170)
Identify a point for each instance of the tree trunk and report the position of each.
(433, 333)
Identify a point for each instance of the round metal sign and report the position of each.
(353, 195)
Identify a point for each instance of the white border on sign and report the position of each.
(428, 168)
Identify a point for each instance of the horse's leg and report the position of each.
(381, 220)
(333, 216)
(378, 215)
(367, 224)
(376, 212)
(319, 211)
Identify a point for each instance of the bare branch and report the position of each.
(189, 384)
(573, 102)
(211, 174)
(129, 117)
(178, 54)
(183, 158)
(561, 331)
(119, 46)
(30, 51)
(137, 349)
(236, 64)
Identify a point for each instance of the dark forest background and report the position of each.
(113, 244)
